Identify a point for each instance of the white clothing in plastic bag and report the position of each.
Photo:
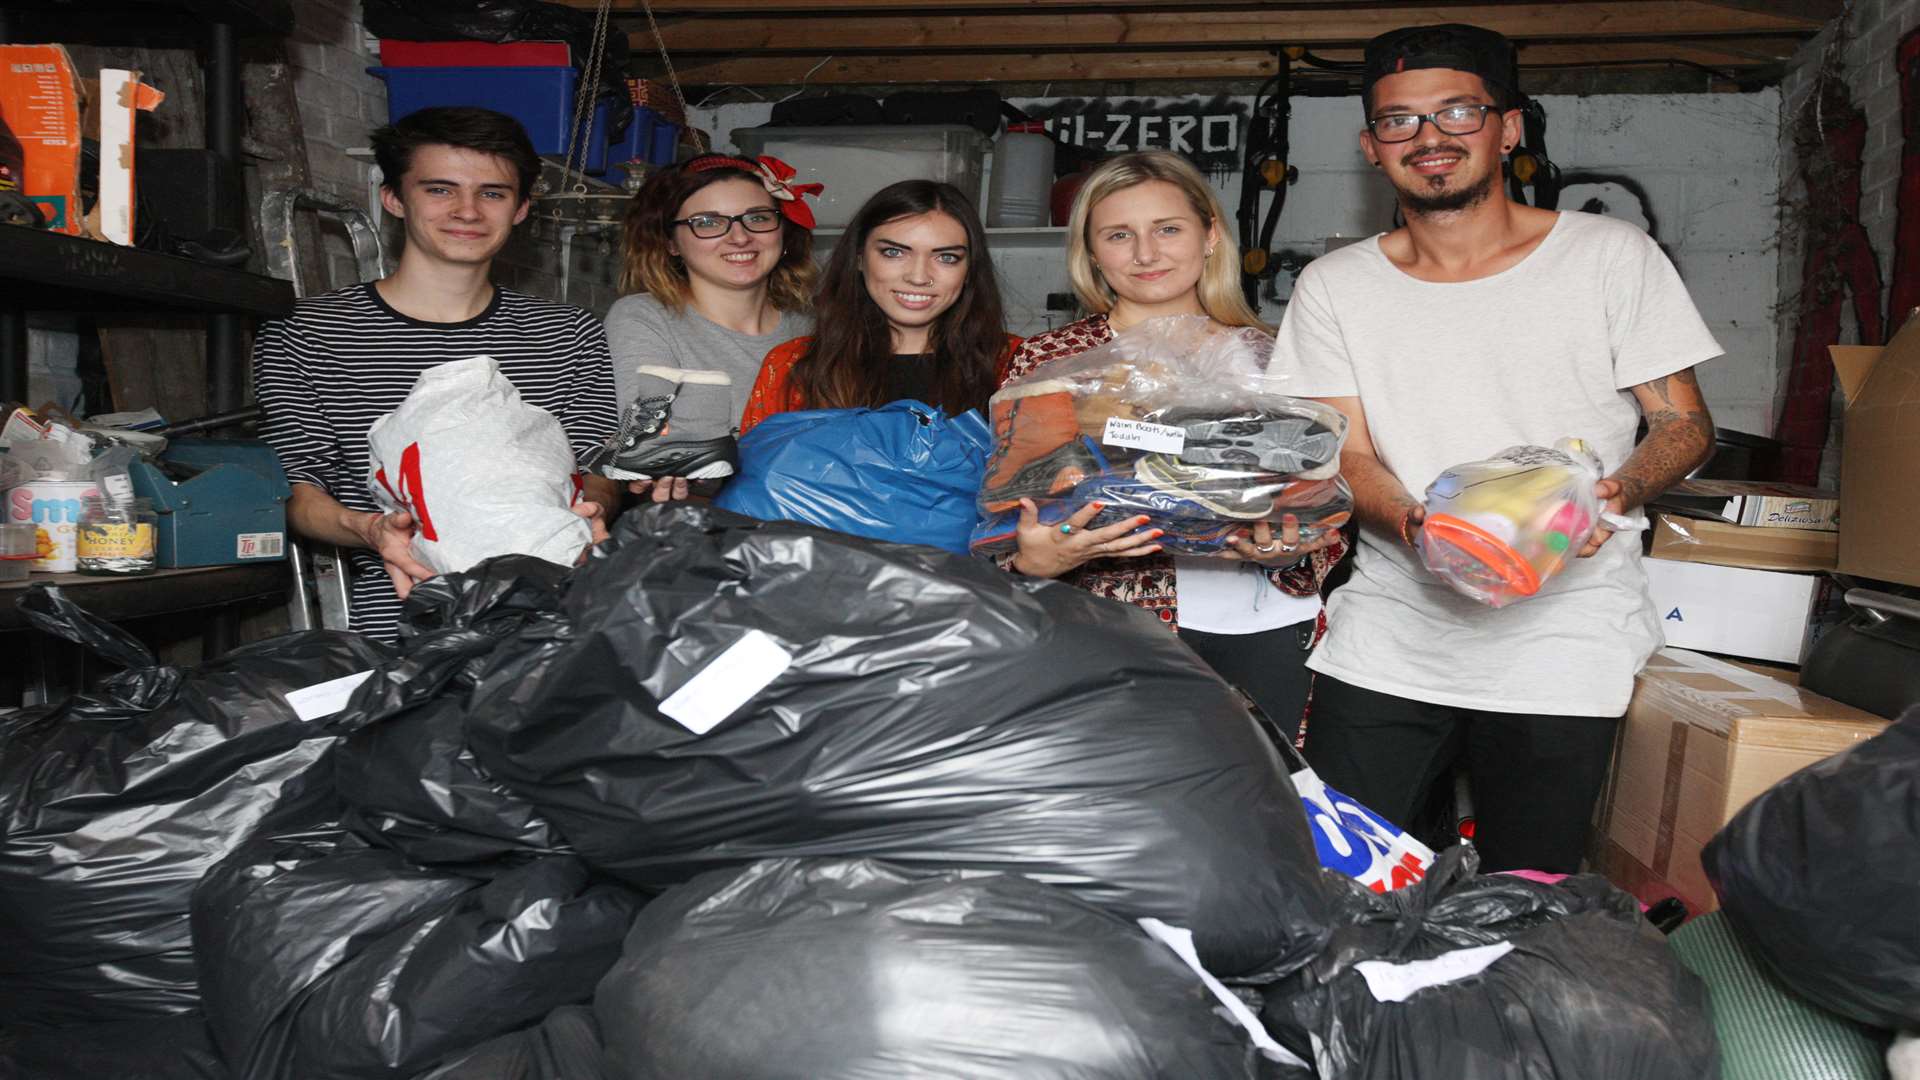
(482, 472)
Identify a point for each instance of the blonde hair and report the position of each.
(1219, 284)
(650, 265)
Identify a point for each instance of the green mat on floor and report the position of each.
(1766, 1031)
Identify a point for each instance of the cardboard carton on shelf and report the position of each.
(1755, 614)
(1755, 503)
(1880, 457)
(1683, 539)
(1700, 740)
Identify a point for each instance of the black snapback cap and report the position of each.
(1457, 46)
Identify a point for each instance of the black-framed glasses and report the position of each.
(1452, 120)
(710, 226)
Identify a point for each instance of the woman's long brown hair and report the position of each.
(846, 365)
(651, 267)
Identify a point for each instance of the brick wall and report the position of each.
(1863, 44)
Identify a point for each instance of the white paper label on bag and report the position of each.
(327, 698)
(1140, 435)
(727, 682)
(1398, 982)
(1180, 940)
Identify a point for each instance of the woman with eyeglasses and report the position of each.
(719, 268)
(1147, 239)
(908, 308)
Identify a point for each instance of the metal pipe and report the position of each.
(13, 352)
(226, 369)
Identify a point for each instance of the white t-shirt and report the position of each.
(1225, 596)
(1452, 372)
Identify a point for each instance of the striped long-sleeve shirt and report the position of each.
(345, 359)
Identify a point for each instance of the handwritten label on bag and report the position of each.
(327, 698)
(729, 681)
(1398, 982)
(1140, 435)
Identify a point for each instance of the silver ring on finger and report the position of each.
(1288, 549)
(1268, 549)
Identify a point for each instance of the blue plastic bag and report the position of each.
(904, 472)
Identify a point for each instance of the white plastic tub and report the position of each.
(856, 161)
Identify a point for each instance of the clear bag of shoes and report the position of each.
(1175, 419)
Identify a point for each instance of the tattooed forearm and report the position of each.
(1679, 438)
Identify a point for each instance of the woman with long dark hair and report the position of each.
(907, 308)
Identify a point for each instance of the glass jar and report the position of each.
(116, 537)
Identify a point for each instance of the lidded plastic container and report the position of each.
(19, 546)
(856, 160)
(1018, 195)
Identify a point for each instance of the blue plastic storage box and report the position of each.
(541, 98)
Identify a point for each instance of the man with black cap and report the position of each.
(1481, 324)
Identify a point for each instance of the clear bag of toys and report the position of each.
(1497, 530)
(1175, 419)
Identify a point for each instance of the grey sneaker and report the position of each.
(645, 449)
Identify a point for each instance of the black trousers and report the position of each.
(1270, 667)
(1534, 779)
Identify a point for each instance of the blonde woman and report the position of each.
(1148, 239)
(719, 262)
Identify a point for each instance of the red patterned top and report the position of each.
(1148, 581)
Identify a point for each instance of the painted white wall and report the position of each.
(1709, 163)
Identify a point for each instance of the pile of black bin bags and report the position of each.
(907, 825)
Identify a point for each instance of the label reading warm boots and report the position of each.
(1140, 435)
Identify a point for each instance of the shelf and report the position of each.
(163, 592)
(49, 271)
(124, 18)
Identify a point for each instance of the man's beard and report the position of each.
(1422, 202)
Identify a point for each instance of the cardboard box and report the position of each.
(1880, 457)
(40, 97)
(1758, 614)
(1700, 740)
(1759, 503)
(1681, 539)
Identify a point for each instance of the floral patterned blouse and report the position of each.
(1147, 581)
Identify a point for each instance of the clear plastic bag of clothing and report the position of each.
(860, 971)
(1176, 419)
(1821, 875)
(1498, 529)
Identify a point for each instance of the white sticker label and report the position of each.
(727, 682)
(1180, 940)
(259, 545)
(119, 487)
(1140, 435)
(1398, 982)
(327, 698)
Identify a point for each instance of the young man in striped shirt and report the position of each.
(459, 179)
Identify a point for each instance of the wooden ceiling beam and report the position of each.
(1822, 10)
(1110, 66)
(896, 33)
(1334, 21)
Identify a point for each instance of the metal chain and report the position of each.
(672, 77)
(583, 98)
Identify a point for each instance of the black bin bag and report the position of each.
(320, 956)
(404, 770)
(174, 1047)
(564, 1046)
(932, 711)
(1821, 875)
(1590, 990)
(114, 804)
(855, 970)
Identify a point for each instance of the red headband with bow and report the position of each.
(774, 175)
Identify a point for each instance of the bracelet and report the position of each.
(1406, 531)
